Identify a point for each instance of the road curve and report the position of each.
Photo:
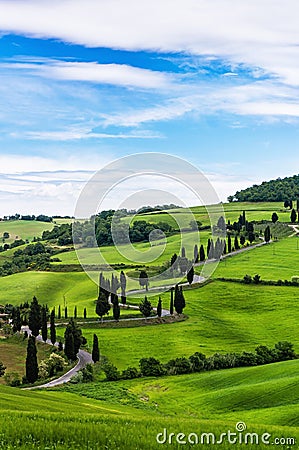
(83, 356)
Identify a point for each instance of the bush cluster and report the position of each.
(198, 362)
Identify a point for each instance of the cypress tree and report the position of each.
(179, 300)
(16, 319)
(44, 324)
(237, 246)
(145, 307)
(202, 255)
(171, 301)
(69, 346)
(159, 307)
(75, 312)
(293, 216)
(65, 312)
(224, 247)
(59, 312)
(31, 361)
(60, 346)
(116, 308)
(102, 305)
(190, 275)
(123, 284)
(52, 327)
(195, 253)
(208, 248)
(183, 254)
(212, 250)
(95, 349)
(34, 321)
(85, 313)
(267, 234)
(229, 243)
(173, 261)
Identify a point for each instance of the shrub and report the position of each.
(247, 279)
(246, 359)
(179, 366)
(151, 367)
(197, 361)
(265, 355)
(87, 373)
(49, 367)
(12, 379)
(111, 372)
(130, 373)
(285, 351)
(2, 369)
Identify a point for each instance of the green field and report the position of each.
(254, 211)
(252, 394)
(126, 254)
(23, 229)
(223, 317)
(129, 415)
(275, 261)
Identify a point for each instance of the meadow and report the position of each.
(220, 317)
(232, 211)
(23, 229)
(129, 414)
(223, 317)
(143, 253)
(275, 261)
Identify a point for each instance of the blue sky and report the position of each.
(86, 82)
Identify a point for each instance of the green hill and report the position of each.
(129, 415)
(278, 190)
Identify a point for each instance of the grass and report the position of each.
(23, 229)
(129, 415)
(223, 317)
(54, 289)
(274, 261)
(126, 254)
(13, 354)
(254, 211)
(264, 394)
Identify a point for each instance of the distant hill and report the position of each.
(278, 190)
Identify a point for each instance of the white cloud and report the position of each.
(260, 33)
(76, 133)
(115, 74)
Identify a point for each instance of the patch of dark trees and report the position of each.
(279, 190)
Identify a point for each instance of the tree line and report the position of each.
(199, 362)
(279, 190)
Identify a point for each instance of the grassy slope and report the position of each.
(265, 394)
(254, 211)
(222, 317)
(125, 255)
(24, 229)
(131, 419)
(275, 261)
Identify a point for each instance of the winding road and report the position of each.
(85, 358)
